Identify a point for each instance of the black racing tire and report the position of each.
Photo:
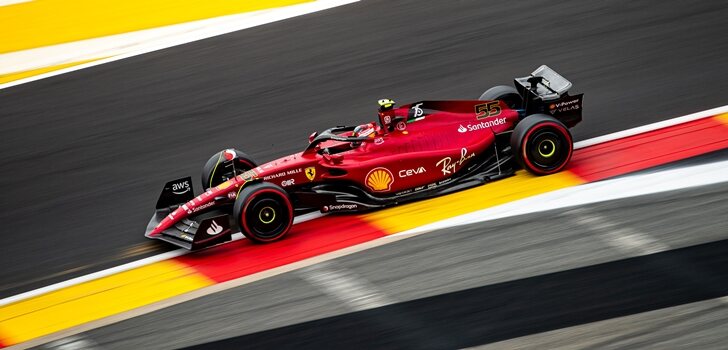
(213, 173)
(264, 212)
(541, 144)
(507, 94)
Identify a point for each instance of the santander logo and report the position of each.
(481, 125)
(214, 229)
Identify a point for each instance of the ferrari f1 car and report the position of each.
(418, 150)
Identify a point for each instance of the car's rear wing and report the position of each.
(544, 83)
(545, 91)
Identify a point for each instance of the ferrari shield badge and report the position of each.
(311, 173)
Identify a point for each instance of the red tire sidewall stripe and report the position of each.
(537, 127)
(249, 200)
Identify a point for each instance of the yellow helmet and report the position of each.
(385, 104)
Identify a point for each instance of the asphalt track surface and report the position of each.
(571, 282)
(85, 154)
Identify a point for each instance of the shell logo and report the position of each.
(379, 179)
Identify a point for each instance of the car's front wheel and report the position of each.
(542, 144)
(264, 212)
(225, 165)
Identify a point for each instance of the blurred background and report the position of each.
(85, 154)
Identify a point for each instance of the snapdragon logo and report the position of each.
(481, 125)
(339, 207)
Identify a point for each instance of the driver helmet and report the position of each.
(385, 104)
(386, 113)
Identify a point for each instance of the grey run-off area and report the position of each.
(564, 279)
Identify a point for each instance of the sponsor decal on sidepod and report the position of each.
(379, 179)
(449, 167)
(410, 172)
(337, 207)
(286, 183)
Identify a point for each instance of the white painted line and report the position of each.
(355, 292)
(624, 239)
(126, 267)
(75, 342)
(127, 45)
(93, 276)
(595, 192)
(572, 196)
(651, 127)
(12, 2)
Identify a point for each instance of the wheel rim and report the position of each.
(548, 149)
(267, 216)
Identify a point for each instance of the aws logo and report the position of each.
(379, 180)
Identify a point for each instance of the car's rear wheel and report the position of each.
(541, 144)
(225, 165)
(264, 212)
(507, 94)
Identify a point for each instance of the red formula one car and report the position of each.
(418, 150)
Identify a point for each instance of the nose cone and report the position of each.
(198, 204)
(169, 220)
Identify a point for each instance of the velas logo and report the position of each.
(563, 104)
(379, 179)
(482, 125)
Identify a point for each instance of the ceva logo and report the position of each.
(462, 129)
